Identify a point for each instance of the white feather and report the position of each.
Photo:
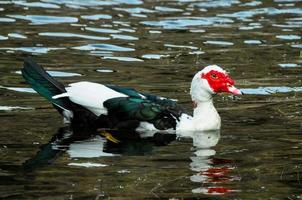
(91, 95)
(213, 67)
(60, 95)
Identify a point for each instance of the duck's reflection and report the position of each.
(80, 144)
(212, 173)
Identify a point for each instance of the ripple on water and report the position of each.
(16, 35)
(252, 42)
(80, 3)
(96, 17)
(216, 42)
(122, 23)
(127, 30)
(197, 30)
(167, 9)
(87, 164)
(58, 73)
(135, 10)
(10, 108)
(241, 15)
(104, 47)
(44, 19)
(36, 4)
(252, 3)
(181, 46)
(247, 28)
(287, 25)
(139, 15)
(155, 31)
(101, 53)
(124, 171)
(33, 50)
(8, 20)
(59, 34)
(119, 58)
(286, 1)
(251, 26)
(185, 22)
(130, 2)
(123, 37)
(288, 65)
(196, 52)
(105, 70)
(299, 46)
(270, 90)
(217, 3)
(102, 30)
(19, 89)
(288, 37)
(154, 56)
(3, 37)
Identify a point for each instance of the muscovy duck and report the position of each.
(94, 105)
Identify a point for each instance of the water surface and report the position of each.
(154, 46)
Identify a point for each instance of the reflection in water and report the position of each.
(212, 173)
(90, 148)
(82, 144)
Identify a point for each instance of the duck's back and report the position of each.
(91, 95)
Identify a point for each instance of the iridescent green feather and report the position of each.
(163, 102)
(44, 84)
(130, 108)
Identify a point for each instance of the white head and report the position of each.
(211, 80)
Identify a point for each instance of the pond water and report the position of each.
(154, 46)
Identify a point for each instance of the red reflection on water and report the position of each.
(218, 177)
(219, 190)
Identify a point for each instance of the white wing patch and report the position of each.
(90, 95)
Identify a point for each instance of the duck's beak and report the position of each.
(233, 90)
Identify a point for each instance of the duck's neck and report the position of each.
(205, 116)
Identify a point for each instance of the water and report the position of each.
(154, 46)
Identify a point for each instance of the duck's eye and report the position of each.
(214, 76)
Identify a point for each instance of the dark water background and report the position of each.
(154, 46)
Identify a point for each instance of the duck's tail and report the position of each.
(46, 85)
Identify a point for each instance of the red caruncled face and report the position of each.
(220, 82)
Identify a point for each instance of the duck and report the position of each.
(99, 106)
